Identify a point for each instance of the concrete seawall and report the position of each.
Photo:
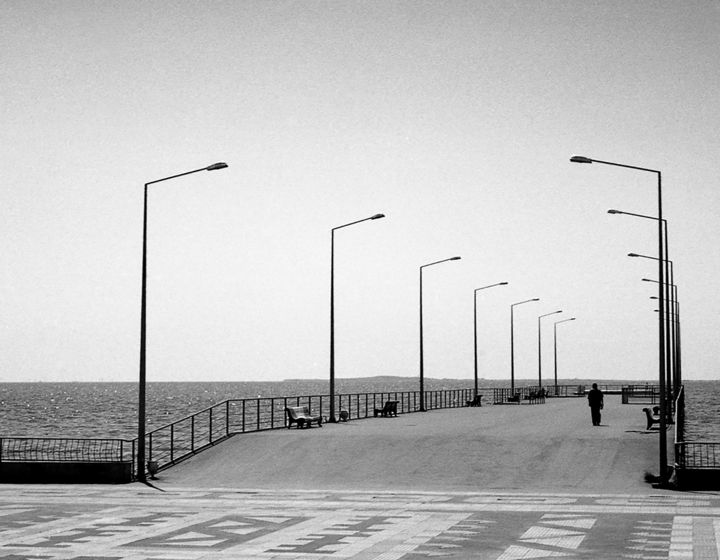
(549, 447)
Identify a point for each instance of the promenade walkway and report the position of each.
(495, 483)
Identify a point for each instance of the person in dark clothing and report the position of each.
(595, 400)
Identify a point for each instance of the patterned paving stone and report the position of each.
(138, 523)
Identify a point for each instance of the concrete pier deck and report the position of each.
(552, 446)
(495, 483)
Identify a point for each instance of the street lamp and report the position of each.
(661, 322)
(332, 309)
(512, 342)
(555, 346)
(540, 346)
(674, 303)
(422, 371)
(143, 315)
(670, 358)
(677, 345)
(671, 379)
(476, 328)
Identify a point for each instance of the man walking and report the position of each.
(595, 400)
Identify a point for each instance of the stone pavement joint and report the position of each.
(134, 522)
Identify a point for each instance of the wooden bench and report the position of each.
(301, 416)
(390, 409)
(651, 418)
(477, 401)
(515, 398)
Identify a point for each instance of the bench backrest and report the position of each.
(296, 412)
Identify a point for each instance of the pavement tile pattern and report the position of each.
(136, 522)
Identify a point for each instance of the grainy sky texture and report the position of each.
(454, 118)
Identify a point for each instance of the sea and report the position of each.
(109, 409)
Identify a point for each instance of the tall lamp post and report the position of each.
(540, 345)
(422, 367)
(662, 444)
(675, 316)
(332, 309)
(475, 331)
(143, 315)
(675, 304)
(670, 360)
(512, 342)
(555, 346)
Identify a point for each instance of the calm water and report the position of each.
(89, 410)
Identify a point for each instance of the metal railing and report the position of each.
(175, 442)
(697, 455)
(20, 449)
(640, 394)
(565, 390)
(692, 454)
(530, 395)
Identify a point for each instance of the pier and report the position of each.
(491, 482)
(552, 446)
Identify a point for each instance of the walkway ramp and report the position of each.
(549, 447)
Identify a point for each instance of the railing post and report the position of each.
(211, 425)
(257, 413)
(172, 443)
(243, 415)
(192, 433)
(227, 418)
(150, 448)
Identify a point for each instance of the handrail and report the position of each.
(692, 454)
(58, 449)
(178, 440)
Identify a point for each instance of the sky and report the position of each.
(456, 119)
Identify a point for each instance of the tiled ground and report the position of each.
(139, 523)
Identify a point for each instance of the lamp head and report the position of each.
(502, 284)
(613, 211)
(454, 258)
(377, 216)
(214, 166)
(535, 299)
(633, 255)
(580, 159)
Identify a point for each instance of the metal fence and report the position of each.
(183, 438)
(692, 454)
(697, 455)
(529, 395)
(14, 449)
(565, 390)
(640, 394)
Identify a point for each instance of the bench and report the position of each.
(477, 401)
(301, 416)
(515, 398)
(651, 418)
(390, 409)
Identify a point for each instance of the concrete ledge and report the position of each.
(697, 479)
(66, 472)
